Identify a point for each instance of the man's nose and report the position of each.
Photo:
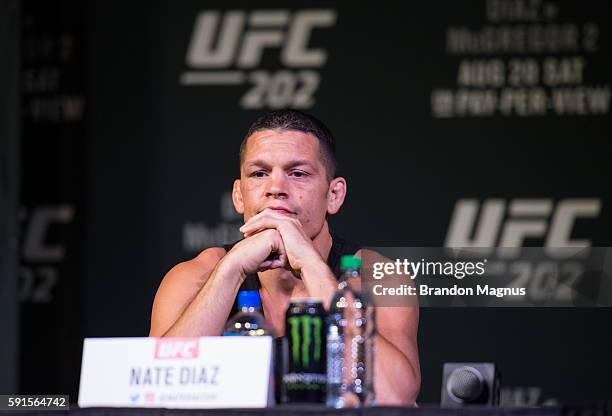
(277, 184)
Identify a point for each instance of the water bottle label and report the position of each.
(335, 360)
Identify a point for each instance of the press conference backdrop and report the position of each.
(442, 110)
(9, 125)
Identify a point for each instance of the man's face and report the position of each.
(284, 171)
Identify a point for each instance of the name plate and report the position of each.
(208, 372)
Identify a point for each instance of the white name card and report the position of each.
(208, 372)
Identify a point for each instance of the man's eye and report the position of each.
(298, 174)
(258, 174)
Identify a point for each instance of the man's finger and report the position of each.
(271, 264)
(267, 216)
(264, 266)
(264, 223)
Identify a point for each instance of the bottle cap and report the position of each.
(249, 299)
(350, 262)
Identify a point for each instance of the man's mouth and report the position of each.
(281, 209)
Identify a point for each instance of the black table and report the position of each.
(596, 409)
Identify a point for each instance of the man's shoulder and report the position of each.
(198, 267)
(207, 259)
(211, 254)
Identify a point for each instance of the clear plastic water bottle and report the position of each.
(351, 337)
(249, 321)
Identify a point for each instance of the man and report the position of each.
(287, 188)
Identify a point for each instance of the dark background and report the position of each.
(123, 169)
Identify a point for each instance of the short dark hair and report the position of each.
(299, 121)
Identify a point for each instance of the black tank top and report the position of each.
(339, 248)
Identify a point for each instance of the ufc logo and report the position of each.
(42, 253)
(177, 348)
(36, 245)
(510, 224)
(218, 41)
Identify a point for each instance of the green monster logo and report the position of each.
(307, 322)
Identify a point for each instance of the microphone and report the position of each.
(466, 384)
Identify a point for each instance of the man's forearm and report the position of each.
(207, 313)
(397, 380)
(320, 282)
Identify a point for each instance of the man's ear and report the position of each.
(237, 197)
(336, 195)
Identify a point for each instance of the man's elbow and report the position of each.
(404, 393)
(414, 386)
(400, 383)
(413, 391)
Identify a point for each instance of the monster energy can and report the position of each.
(306, 372)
